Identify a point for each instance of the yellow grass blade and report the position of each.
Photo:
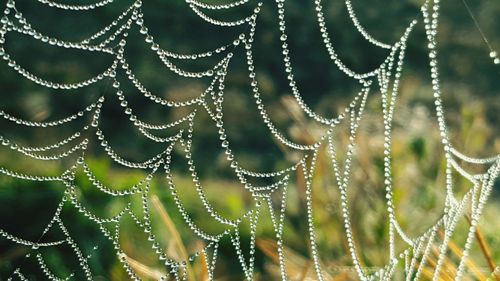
(144, 269)
(173, 231)
(297, 266)
(203, 267)
(470, 263)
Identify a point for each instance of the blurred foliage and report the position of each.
(471, 99)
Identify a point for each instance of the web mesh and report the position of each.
(269, 190)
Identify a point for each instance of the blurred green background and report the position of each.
(470, 84)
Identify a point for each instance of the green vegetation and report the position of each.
(471, 98)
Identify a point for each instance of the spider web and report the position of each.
(112, 40)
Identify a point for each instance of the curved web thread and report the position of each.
(112, 40)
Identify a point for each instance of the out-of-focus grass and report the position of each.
(418, 192)
(25, 207)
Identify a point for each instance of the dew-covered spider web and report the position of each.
(172, 142)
